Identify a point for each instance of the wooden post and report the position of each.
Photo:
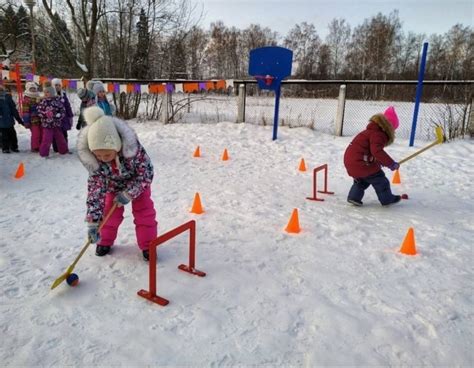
(241, 104)
(341, 104)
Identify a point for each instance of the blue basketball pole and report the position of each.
(419, 92)
(275, 114)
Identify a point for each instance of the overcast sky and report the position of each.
(421, 16)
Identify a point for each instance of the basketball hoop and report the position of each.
(268, 79)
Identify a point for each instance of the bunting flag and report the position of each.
(110, 88)
(190, 87)
(136, 88)
(169, 87)
(13, 76)
(209, 86)
(157, 88)
(5, 74)
(220, 84)
(123, 88)
(229, 83)
(80, 84)
(178, 87)
(202, 86)
(65, 83)
(42, 79)
(73, 84)
(144, 88)
(29, 77)
(106, 87)
(116, 88)
(36, 79)
(129, 87)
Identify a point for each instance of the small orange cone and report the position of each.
(225, 155)
(197, 207)
(294, 223)
(396, 177)
(20, 171)
(302, 165)
(197, 153)
(408, 246)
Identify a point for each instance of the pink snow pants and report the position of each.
(36, 135)
(48, 135)
(144, 215)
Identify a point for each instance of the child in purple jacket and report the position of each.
(120, 171)
(66, 123)
(51, 112)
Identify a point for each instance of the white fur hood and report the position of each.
(129, 145)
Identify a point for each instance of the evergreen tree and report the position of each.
(140, 65)
(51, 56)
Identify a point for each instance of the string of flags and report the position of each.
(138, 88)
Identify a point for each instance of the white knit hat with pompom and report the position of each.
(102, 133)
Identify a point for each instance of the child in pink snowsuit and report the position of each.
(120, 171)
(51, 112)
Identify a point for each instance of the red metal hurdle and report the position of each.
(325, 191)
(191, 226)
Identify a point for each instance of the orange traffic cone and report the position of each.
(408, 246)
(294, 223)
(20, 171)
(225, 155)
(396, 177)
(197, 207)
(302, 165)
(197, 153)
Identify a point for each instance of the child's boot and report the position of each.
(101, 250)
(396, 199)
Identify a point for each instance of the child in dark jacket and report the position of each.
(8, 115)
(87, 99)
(120, 171)
(365, 156)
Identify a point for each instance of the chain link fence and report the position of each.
(314, 104)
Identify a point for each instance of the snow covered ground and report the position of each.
(338, 293)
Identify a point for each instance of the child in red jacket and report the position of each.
(365, 156)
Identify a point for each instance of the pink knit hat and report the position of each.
(391, 116)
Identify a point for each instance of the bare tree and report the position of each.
(305, 42)
(337, 41)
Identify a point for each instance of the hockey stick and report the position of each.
(440, 138)
(83, 250)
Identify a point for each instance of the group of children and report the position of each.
(120, 170)
(48, 116)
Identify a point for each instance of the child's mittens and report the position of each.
(122, 199)
(93, 232)
(394, 166)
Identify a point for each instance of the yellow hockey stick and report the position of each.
(83, 250)
(440, 138)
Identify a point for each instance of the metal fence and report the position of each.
(318, 104)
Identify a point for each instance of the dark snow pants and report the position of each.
(380, 183)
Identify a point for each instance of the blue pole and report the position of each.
(275, 115)
(419, 92)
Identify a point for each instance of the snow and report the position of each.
(83, 67)
(338, 293)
